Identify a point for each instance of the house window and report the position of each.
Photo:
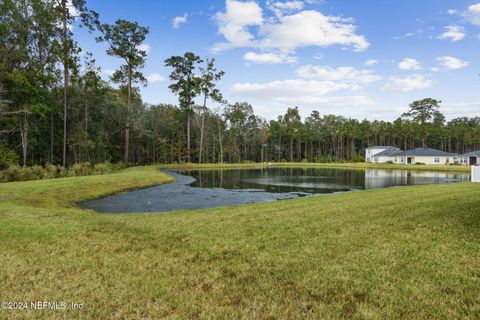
(403, 159)
(376, 159)
(437, 160)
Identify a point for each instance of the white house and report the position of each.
(413, 156)
(379, 154)
(471, 158)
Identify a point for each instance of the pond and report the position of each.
(201, 189)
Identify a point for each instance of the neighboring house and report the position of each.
(471, 158)
(426, 156)
(413, 156)
(380, 154)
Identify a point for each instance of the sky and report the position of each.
(359, 59)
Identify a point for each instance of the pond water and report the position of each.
(202, 189)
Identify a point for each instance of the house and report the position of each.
(412, 156)
(426, 156)
(471, 158)
(380, 154)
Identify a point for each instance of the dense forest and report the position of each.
(55, 108)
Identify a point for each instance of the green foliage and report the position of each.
(8, 157)
(34, 46)
(81, 169)
(358, 158)
(49, 171)
(184, 81)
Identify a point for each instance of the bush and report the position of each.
(389, 162)
(358, 158)
(419, 163)
(50, 171)
(80, 169)
(102, 168)
(118, 166)
(8, 157)
(325, 159)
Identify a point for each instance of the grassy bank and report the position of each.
(409, 252)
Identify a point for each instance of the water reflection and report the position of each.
(317, 180)
(379, 178)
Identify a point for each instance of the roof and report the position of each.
(380, 147)
(388, 152)
(472, 154)
(426, 152)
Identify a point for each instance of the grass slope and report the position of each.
(409, 252)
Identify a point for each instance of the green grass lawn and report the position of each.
(408, 252)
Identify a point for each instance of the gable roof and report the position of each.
(388, 152)
(472, 154)
(380, 147)
(425, 152)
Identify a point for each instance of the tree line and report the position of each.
(55, 108)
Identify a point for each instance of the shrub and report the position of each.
(118, 166)
(419, 163)
(389, 162)
(102, 168)
(36, 173)
(325, 159)
(8, 157)
(80, 169)
(51, 171)
(14, 173)
(358, 158)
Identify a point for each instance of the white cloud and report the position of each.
(406, 84)
(452, 12)
(155, 77)
(415, 33)
(144, 47)
(313, 87)
(454, 110)
(453, 33)
(271, 58)
(311, 28)
(177, 21)
(341, 74)
(108, 72)
(409, 64)
(300, 92)
(285, 33)
(280, 8)
(370, 62)
(234, 22)
(472, 14)
(452, 63)
(289, 88)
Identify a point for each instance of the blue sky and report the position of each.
(360, 59)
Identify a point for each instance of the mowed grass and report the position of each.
(398, 253)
